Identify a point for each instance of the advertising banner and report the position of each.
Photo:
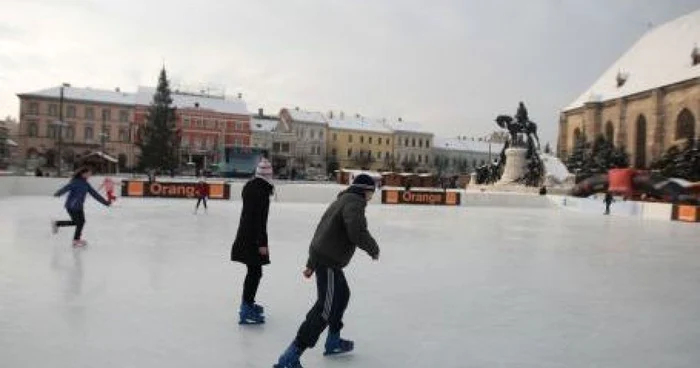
(419, 197)
(134, 188)
(686, 213)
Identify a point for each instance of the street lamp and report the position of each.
(60, 123)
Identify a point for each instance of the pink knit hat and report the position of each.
(264, 169)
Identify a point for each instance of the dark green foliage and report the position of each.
(159, 137)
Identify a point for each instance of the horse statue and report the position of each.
(507, 122)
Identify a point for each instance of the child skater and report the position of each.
(343, 227)
(250, 246)
(108, 185)
(202, 192)
(77, 189)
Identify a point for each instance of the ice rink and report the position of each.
(455, 287)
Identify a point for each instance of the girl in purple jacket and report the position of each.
(77, 190)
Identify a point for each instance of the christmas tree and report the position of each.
(159, 137)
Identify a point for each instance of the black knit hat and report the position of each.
(364, 182)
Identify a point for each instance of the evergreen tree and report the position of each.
(547, 149)
(159, 137)
(576, 162)
(681, 163)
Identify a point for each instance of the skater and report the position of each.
(108, 185)
(250, 246)
(202, 192)
(77, 189)
(342, 228)
(608, 201)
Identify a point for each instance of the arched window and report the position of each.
(640, 146)
(577, 134)
(609, 131)
(33, 129)
(685, 125)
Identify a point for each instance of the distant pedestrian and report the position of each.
(77, 190)
(608, 201)
(202, 192)
(108, 185)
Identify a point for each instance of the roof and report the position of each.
(102, 155)
(407, 126)
(307, 116)
(12, 143)
(229, 105)
(263, 125)
(661, 57)
(359, 124)
(456, 144)
(86, 94)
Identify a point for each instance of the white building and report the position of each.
(311, 130)
(412, 145)
(462, 156)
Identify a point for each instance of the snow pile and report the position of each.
(554, 170)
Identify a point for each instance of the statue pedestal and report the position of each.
(516, 166)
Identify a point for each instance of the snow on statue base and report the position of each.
(515, 166)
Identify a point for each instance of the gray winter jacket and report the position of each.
(343, 227)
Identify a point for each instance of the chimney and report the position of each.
(240, 96)
(400, 119)
(296, 108)
(117, 89)
(260, 112)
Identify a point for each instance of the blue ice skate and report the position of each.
(249, 315)
(259, 309)
(336, 345)
(290, 358)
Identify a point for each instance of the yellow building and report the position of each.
(360, 143)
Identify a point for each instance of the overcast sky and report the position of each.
(449, 64)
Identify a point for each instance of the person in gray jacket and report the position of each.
(342, 229)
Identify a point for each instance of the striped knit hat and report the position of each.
(264, 169)
(364, 182)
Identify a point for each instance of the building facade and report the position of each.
(648, 100)
(92, 120)
(311, 131)
(412, 146)
(454, 156)
(361, 143)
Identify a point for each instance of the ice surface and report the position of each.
(455, 287)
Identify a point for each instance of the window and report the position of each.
(413, 142)
(53, 110)
(335, 137)
(285, 147)
(349, 138)
(420, 143)
(106, 115)
(89, 133)
(379, 155)
(334, 152)
(405, 142)
(123, 135)
(105, 133)
(320, 135)
(70, 111)
(369, 153)
(33, 129)
(370, 140)
(473, 163)
(362, 139)
(34, 108)
(52, 131)
(186, 122)
(90, 113)
(388, 141)
(386, 155)
(685, 125)
(312, 133)
(427, 144)
(349, 152)
(420, 159)
(379, 140)
(239, 126)
(609, 131)
(69, 132)
(123, 116)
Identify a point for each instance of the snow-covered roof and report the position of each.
(263, 125)
(359, 124)
(307, 116)
(101, 155)
(228, 105)
(456, 144)
(661, 57)
(86, 94)
(407, 126)
(12, 143)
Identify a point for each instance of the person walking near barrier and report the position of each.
(608, 201)
(251, 244)
(341, 230)
(202, 192)
(77, 190)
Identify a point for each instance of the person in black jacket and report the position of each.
(250, 246)
(342, 229)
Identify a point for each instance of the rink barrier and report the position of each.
(157, 189)
(420, 197)
(686, 213)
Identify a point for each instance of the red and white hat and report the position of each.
(264, 169)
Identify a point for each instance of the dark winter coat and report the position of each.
(202, 190)
(252, 229)
(342, 229)
(78, 189)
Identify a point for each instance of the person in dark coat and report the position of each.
(250, 246)
(342, 229)
(202, 192)
(78, 188)
(608, 201)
